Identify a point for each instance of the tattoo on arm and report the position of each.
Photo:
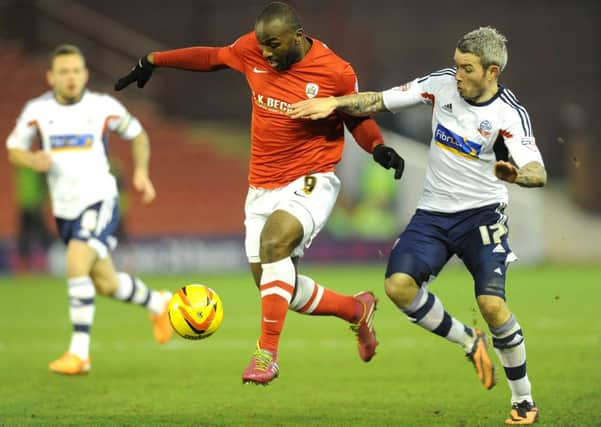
(532, 174)
(361, 103)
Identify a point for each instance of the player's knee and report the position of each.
(79, 258)
(401, 289)
(75, 269)
(274, 248)
(492, 307)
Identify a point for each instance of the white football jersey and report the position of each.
(467, 139)
(76, 136)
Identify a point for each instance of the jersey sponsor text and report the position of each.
(70, 142)
(455, 143)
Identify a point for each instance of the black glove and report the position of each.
(388, 158)
(140, 73)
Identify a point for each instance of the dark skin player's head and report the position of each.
(281, 36)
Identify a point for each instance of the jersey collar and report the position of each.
(490, 101)
(83, 94)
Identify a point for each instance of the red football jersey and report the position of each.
(282, 149)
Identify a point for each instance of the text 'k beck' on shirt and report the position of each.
(282, 149)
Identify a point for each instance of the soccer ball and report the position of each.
(195, 312)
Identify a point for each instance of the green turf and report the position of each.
(416, 379)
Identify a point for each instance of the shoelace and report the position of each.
(262, 359)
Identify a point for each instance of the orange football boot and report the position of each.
(481, 360)
(70, 364)
(160, 322)
(523, 413)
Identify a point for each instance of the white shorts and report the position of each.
(310, 199)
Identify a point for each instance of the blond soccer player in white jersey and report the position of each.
(71, 124)
(481, 136)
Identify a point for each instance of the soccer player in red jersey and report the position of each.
(293, 187)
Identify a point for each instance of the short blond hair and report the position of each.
(488, 44)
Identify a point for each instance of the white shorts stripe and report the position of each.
(99, 247)
(105, 215)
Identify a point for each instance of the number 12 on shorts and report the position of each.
(494, 232)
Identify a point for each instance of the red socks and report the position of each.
(277, 287)
(312, 298)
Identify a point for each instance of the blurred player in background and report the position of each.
(71, 125)
(476, 125)
(33, 236)
(293, 187)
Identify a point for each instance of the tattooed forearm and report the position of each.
(362, 103)
(532, 174)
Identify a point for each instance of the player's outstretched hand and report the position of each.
(506, 171)
(140, 73)
(388, 158)
(314, 109)
(143, 184)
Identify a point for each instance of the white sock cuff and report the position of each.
(506, 329)
(125, 288)
(305, 289)
(419, 300)
(81, 287)
(282, 270)
(134, 291)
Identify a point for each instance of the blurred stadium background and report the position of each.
(198, 124)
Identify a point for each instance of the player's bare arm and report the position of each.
(314, 109)
(359, 104)
(141, 157)
(39, 161)
(530, 175)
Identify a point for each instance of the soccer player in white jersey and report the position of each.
(71, 124)
(478, 126)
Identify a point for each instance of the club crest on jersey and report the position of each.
(311, 90)
(455, 143)
(485, 128)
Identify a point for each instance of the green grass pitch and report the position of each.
(416, 378)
